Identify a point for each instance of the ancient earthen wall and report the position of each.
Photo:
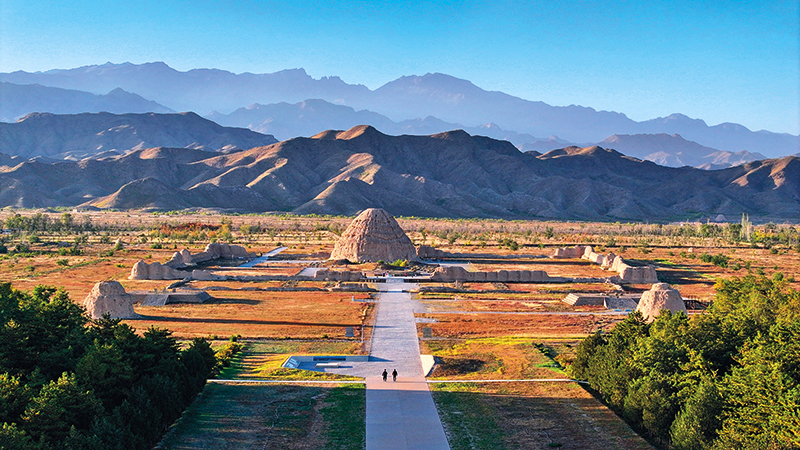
(450, 274)
(428, 252)
(569, 252)
(155, 271)
(338, 275)
(182, 259)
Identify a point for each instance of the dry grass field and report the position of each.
(543, 327)
(256, 314)
(530, 416)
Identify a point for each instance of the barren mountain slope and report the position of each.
(449, 174)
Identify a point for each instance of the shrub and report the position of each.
(720, 260)
(226, 354)
(717, 260)
(72, 251)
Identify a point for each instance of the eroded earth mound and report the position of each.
(109, 297)
(661, 296)
(374, 236)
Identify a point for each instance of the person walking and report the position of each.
(384, 374)
(394, 375)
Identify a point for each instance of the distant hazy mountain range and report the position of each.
(434, 97)
(674, 151)
(20, 100)
(448, 174)
(91, 135)
(309, 117)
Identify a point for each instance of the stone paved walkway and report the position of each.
(401, 415)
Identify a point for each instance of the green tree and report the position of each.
(198, 361)
(734, 232)
(695, 427)
(747, 227)
(56, 322)
(16, 222)
(14, 396)
(580, 367)
(610, 369)
(116, 390)
(104, 370)
(60, 405)
(12, 438)
(66, 222)
(652, 403)
(762, 396)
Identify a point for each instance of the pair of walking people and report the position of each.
(386, 374)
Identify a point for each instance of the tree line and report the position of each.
(728, 378)
(68, 382)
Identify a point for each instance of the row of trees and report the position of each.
(729, 378)
(70, 383)
(449, 230)
(44, 223)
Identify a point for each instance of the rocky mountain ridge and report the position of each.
(449, 174)
(306, 118)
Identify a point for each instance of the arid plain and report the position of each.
(476, 331)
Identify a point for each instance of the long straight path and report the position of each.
(401, 414)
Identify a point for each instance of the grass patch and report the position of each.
(345, 418)
(530, 416)
(263, 360)
(285, 373)
(505, 357)
(228, 416)
(471, 425)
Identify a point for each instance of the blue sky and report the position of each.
(721, 61)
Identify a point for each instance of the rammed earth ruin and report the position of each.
(374, 236)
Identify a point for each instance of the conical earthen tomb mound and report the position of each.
(660, 297)
(374, 236)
